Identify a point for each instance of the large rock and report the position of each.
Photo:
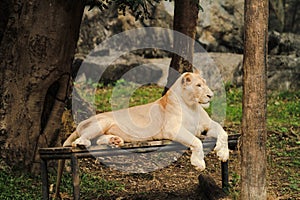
(99, 25)
(221, 25)
(292, 16)
(284, 73)
(130, 67)
(95, 27)
(228, 64)
(284, 43)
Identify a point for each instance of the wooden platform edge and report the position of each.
(142, 146)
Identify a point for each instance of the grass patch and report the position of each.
(121, 95)
(234, 106)
(92, 186)
(126, 94)
(284, 112)
(18, 185)
(283, 145)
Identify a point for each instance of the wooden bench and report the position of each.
(74, 154)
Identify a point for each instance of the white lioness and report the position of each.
(177, 116)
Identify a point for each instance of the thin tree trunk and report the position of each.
(35, 58)
(254, 133)
(185, 21)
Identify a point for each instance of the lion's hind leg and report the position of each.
(81, 142)
(89, 130)
(111, 140)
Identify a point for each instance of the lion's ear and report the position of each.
(186, 79)
(196, 71)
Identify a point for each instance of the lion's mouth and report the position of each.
(205, 102)
(205, 105)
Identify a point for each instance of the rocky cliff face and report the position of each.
(220, 30)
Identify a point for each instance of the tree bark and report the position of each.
(254, 133)
(36, 53)
(185, 21)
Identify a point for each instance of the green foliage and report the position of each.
(234, 105)
(283, 126)
(103, 187)
(125, 94)
(283, 155)
(284, 140)
(284, 109)
(91, 185)
(16, 185)
(234, 185)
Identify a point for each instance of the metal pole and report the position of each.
(225, 181)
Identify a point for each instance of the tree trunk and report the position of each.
(254, 133)
(35, 58)
(185, 21)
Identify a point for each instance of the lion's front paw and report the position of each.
(81, 142)
(222, 149)
(197, 162)
(111, 140)
(223, 154)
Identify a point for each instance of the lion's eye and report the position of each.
(198, 85)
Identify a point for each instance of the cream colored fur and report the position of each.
(177, 116)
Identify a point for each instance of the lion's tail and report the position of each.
(61, 163)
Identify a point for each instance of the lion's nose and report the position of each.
(210, 95)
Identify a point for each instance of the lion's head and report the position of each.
(195, 89)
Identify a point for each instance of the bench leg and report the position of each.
(75, 177)
(44, 174)
(225, 180)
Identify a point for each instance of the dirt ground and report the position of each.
(179, 180)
